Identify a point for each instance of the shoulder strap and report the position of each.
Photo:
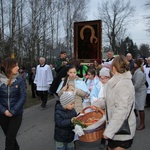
(107, 112)
(130, 111)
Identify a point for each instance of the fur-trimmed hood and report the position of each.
(4, 79)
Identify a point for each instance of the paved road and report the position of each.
(36, 132)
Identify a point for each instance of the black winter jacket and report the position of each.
(12, 97)
(63, 125)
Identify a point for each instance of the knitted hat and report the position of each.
(66, 98)
(104, 72)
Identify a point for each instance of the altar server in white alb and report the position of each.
(147, 73)
(43, 80)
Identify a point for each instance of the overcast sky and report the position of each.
(136, 30)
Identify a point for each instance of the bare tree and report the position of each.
(147, 17)
(35, 28)
(19, 31)
(33, 5)
(52, 11)
(13, 27)
(57, 22)
(74, 11)
(2, 30)
(115, 15)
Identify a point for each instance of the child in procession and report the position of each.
(64, 116)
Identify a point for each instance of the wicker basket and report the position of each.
(94, 134)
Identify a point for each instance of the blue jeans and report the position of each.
(64, 146)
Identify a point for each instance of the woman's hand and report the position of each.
(8, 114)
(93, 107)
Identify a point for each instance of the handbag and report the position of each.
(124, 129)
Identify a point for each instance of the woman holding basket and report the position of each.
(119, 96)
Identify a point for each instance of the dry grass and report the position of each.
(32, 101)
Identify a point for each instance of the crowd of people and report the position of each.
(119, 85)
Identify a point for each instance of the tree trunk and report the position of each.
(2, 43)
(13, 28)
(34, 15)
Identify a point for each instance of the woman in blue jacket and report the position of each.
(12, 99)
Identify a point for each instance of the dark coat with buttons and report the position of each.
(12, 97)
(63, 125)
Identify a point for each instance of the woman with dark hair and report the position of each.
(12, 99)
(139, 80)
(97, 65)
(74, 83)
(119, 95)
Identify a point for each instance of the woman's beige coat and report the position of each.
(119, 95)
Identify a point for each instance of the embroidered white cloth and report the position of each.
(78, 130)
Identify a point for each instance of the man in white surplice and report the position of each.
(43, 80)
